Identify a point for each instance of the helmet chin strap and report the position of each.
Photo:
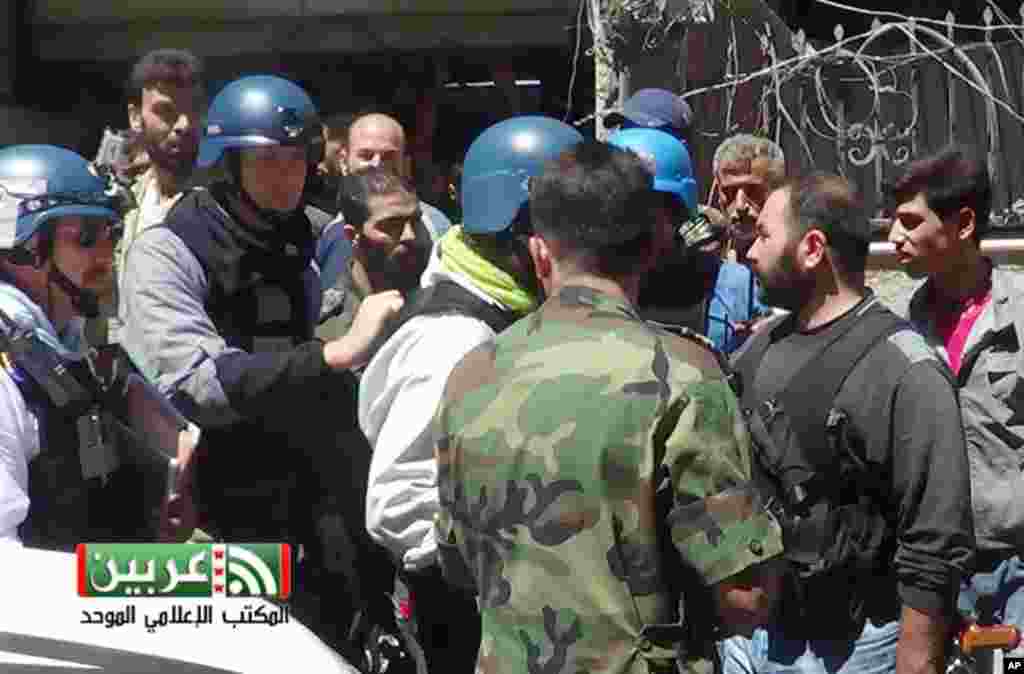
(85, 301)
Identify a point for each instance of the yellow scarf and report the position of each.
(459, 258)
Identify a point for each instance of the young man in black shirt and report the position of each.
(881, 474)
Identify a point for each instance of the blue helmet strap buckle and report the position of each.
(86, 301)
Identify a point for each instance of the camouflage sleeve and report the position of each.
(453, 565)
(718, 522)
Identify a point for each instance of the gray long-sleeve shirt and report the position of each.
(167, 331)
(174, 340)
(904, 417)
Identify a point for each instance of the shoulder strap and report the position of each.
(447, 297)
(750, 359)
(811, 393)
(45, 370)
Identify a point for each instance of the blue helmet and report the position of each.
(499, 164)
(666, 156)
(41, 182)
(256, 111)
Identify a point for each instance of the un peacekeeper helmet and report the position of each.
(499, 164)
(666, 157)
(257, 111)
(39, 183)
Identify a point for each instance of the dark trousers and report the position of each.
(443, 620)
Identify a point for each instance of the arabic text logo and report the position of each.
(184, 570)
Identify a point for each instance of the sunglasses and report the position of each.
(94, 229)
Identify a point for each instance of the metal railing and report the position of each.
(863, 105)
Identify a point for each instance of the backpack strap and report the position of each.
(447, 297)
(746, 366)
(799, 457)
(810, 395)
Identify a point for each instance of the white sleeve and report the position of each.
(398, 397)
(19, 443)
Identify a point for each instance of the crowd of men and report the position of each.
(593, 426)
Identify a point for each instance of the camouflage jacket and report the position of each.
(556, 447)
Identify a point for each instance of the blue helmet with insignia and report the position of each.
(499, 164)
(257, 111)
(39, 183)
(666, 157)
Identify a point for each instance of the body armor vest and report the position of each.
(259, 301)
(831, 503)
(66, 507)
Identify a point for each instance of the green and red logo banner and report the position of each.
(185, 570)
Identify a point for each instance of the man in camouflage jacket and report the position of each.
(591, 467)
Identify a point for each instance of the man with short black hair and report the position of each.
(477, 283)
(613, 454)
(389, 248)
(858, 436)
(972, 313)
(335, 139)
(166, 99)
(373, 140)
(165, 102)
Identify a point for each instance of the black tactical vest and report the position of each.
(831, 503)
(448, 297)
(66, 508)
(259, 300)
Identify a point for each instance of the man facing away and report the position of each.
(477, 283)
(594, 470)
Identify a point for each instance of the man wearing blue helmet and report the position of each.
(219, 306)
(691, 287)
(62, 480)
(655, 109)
(478, 281)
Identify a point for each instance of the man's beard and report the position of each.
(397, 269)
(785, 287)
(100, 282)
(179, 165)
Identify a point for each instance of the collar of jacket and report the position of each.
(1005, 308)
